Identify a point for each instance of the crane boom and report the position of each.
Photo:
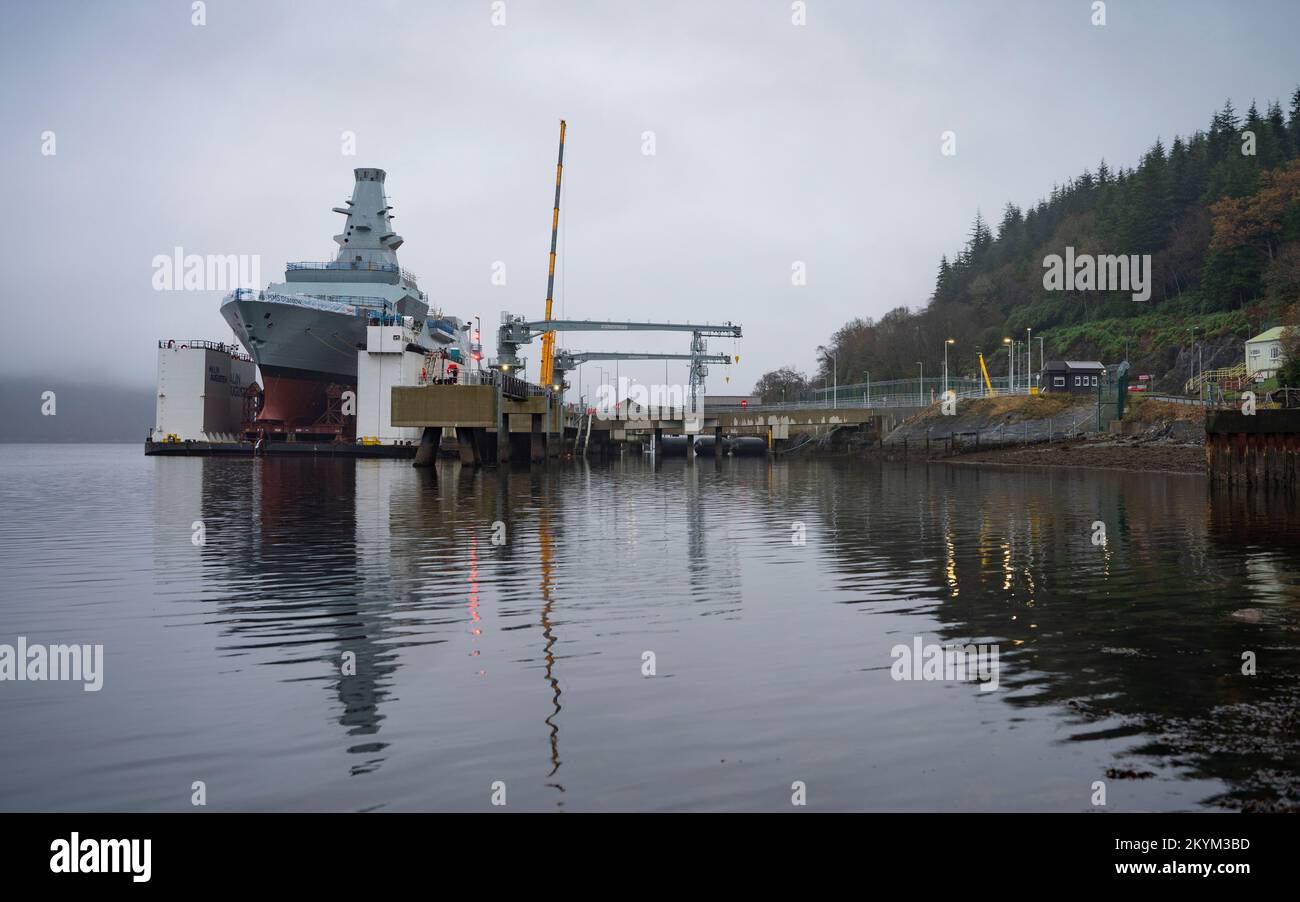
(985, 371)
(548, 339)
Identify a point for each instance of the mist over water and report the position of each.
(523, 663)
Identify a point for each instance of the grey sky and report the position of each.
(775, 143)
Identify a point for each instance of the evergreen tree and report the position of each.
(980, 239)
(1277, 126)
(941, 283)
(1268, 152)
(1293, 125)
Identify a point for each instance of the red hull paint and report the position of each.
(294, 400)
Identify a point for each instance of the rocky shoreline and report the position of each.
(1099, 454)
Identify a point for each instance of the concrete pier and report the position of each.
(1257, 451)
(527, 424)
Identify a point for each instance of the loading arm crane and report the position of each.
(515, 331)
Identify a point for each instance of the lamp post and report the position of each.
(867, 375)
(1011, 364)
(951, 341)
(835, 366)
(921, 385)
(1029, 360)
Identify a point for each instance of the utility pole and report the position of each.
(951, 341)
(1029, 360)
(835, 366)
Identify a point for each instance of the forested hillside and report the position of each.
(1219, 213)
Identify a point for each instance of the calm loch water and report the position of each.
(523, 662)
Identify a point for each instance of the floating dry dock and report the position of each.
(247, 449)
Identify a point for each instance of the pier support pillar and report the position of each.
(467, 446)
(659, 442)
(690, 448)
(717, 443)
(537, 441)
(427, 453)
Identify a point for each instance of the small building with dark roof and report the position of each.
(1073, 376)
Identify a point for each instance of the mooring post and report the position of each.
(717, 443)
(659, 442)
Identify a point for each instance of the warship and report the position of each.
(304, 333)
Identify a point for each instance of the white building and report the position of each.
(202, 386)
(1264, 354)
(387, 361)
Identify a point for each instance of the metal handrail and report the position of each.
(204, 344)
(352, 300)
(352, 265)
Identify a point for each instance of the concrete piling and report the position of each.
(1260, 450)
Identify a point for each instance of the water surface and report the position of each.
(523, 662)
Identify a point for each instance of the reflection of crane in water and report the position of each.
(544, 543)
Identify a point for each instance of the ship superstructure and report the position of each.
(304, 333)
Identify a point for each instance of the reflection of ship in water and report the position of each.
(1140, 636)
(287, 549)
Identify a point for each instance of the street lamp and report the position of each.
(1011, 364)
(921, 385)
(1029, 360)
(867, 375)
(951, 341)
(835, 367)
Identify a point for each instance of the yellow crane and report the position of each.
(985, 371)
(548, 338)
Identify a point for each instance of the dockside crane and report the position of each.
(515, 331)
(568, 361)
(548, 338)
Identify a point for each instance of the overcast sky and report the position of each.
(774, 143)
